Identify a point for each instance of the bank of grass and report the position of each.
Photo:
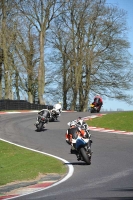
(118, 121)
(18, 164)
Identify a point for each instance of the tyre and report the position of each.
(51, 119)
(91, 110)
(85, 156)
(40, 126)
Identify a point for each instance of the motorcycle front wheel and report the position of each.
(85, 156)
(92, 110)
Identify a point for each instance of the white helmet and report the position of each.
(72, 123)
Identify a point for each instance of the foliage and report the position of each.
(65, 50)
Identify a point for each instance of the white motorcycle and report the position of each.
(53, 116)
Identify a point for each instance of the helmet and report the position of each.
(97, 95)
(72, 123)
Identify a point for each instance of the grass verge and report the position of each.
(18, 164)
(118, 121)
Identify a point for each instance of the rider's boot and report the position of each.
(44, 125)
(78, 157)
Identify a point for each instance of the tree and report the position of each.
(6, 43)
(40, 14)
(97, 52)
(27, 55)
(83, 40)
(1, 62)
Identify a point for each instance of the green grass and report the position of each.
(118, 121)
(18, 164)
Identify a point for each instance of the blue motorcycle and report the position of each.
(82, 148)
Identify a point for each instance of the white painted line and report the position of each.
(110, 130)
(97, 129)
(121, 131)
(12, 112)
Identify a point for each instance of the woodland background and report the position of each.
(63, 50)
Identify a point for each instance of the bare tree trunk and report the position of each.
(4, 47)
(1, 62)
(41, 71)
(17, 85)
(0, 80)
(65, 84)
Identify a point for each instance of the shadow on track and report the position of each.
(76, 163)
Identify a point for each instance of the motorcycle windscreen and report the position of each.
(80, 142)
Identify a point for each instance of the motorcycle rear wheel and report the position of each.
(85, 156)
(51, 119)
(39, 128)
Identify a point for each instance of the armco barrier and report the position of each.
(8, 104)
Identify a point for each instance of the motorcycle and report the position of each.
(94, 108)
(53, 116)
(82, 148)
(40, 124)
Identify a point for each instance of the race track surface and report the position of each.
(110, 175)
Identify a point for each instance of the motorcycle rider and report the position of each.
(72, 133)
(98, 102)
(82, 124)
(45, 113)
(84, 128)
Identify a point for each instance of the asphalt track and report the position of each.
(109, 177)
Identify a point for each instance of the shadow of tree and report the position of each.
(118, 198)
(114, 198)
(124, 190)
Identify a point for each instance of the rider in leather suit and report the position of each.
(98, 102)
(45, 113)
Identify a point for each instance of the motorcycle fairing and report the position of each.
(80, 142)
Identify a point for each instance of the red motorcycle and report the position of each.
(94, 108)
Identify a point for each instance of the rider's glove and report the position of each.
(68, 142)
